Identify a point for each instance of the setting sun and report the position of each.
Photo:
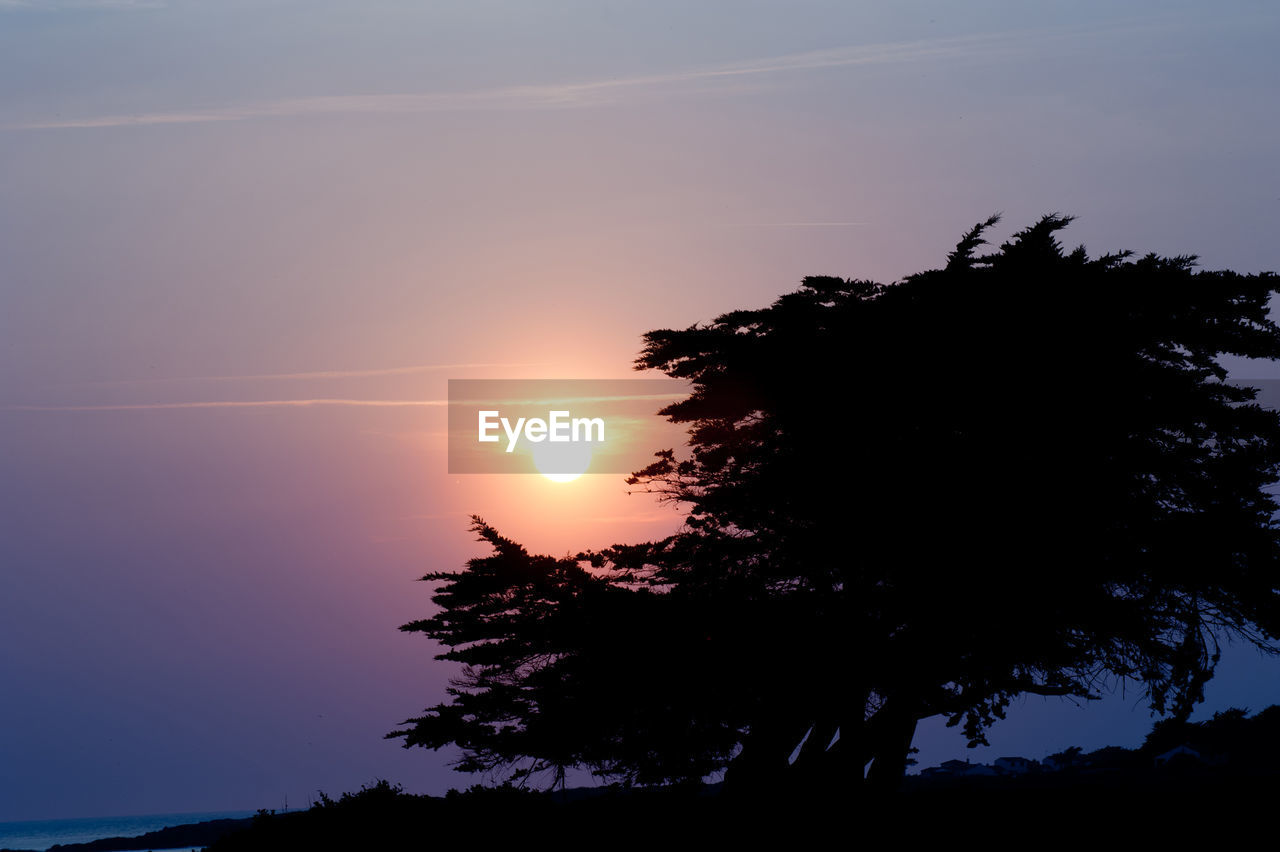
(563, 462)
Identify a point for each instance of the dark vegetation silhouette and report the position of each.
(1228, 756)
(1024, 472)
(1231, 776)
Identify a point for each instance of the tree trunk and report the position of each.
(894, 728)
(760, 769)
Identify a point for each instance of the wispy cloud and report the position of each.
(256, 403)
(557, 400)
(81, 4)
(795, 224)
(317, 374)
(728, 76)
(326, 401)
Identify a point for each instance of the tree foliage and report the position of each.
(1023, 472)
(563, 667)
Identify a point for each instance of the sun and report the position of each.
(563, 461)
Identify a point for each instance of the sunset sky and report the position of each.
(245, 245)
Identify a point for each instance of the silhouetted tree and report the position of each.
(1068, 758)
(563, 667)
(1024, 472)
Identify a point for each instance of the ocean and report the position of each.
(41, 834)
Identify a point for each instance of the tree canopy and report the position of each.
(1023, 472)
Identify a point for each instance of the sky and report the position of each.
(215, 214)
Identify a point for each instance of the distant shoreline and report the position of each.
(116, 834)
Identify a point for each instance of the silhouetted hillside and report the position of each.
(1230, 747)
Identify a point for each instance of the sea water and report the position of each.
(41, 834)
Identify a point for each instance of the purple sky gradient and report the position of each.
(231, 202)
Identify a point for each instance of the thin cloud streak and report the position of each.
(573, 95)
(316, 374)
(259, 403)
(795, 224)
(309, 403)
(51, 5)
(550, 400)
